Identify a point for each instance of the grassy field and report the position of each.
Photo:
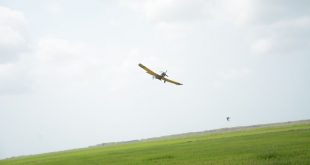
(276, 144)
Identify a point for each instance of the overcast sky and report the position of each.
(69, 74)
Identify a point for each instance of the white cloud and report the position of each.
(12, 32)
(279, 27)
(61, 63)
(10, 37)
(13, 44)
(268, 12)
(55, 7)
(173, 18)
(177, 19)
(12, 18)
(51, 49)
(262, 46)
(174, 30)
(238, 12)
(174, 10)
(232, 74)
(170, 11)
(302, 22)
(13, 79)
(282, 37)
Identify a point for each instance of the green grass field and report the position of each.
(276, 144)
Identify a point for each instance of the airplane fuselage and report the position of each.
(161, 76)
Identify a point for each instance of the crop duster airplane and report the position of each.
(160, 77)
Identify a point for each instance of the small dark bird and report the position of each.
(227, 118)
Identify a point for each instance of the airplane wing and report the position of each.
(149, 71)
(171, 81)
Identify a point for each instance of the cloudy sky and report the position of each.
(69, 74)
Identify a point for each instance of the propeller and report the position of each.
(165, 73)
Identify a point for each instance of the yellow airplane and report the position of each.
(159, 76)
